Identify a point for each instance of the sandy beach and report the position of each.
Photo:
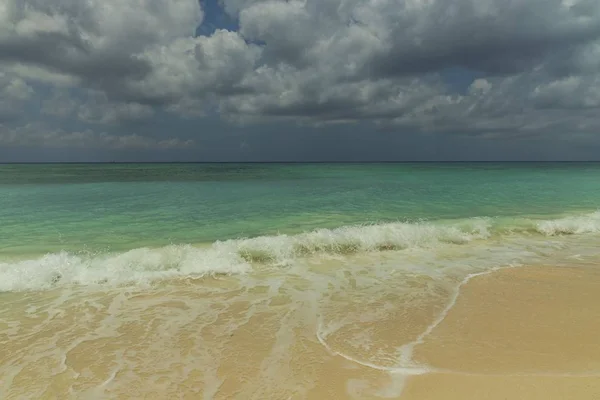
(523, 333)
(516, 333)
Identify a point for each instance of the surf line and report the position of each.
(422, 369)
(407, 365)
(397, 370)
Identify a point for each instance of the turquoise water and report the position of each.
(92, 209)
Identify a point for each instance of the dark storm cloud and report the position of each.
(504, 39)
(33, 135)
(71, 56)
(356, 60)
(529, 66)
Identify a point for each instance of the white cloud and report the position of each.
(198, 68)
(572, 92)
(96, 42)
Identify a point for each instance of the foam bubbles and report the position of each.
(572, 225)
(136, 266)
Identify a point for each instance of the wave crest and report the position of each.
(357, 239)
(572, 225)
(237, 256)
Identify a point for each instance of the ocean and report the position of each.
(242, 280)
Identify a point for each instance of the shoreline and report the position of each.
(527, 332)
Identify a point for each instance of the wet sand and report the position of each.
(520, 333)
(523, 333)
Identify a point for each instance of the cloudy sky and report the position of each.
(252, 80)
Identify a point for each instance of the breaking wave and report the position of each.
(238, 256)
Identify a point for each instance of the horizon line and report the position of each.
(299, 162)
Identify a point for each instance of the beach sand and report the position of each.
(518, 333)
(523, 333)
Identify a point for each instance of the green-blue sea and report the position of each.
(91, 210)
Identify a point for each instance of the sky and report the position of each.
(299, 80)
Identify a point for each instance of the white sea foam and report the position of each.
(578, 224)
(135, 266)
(239, 256)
